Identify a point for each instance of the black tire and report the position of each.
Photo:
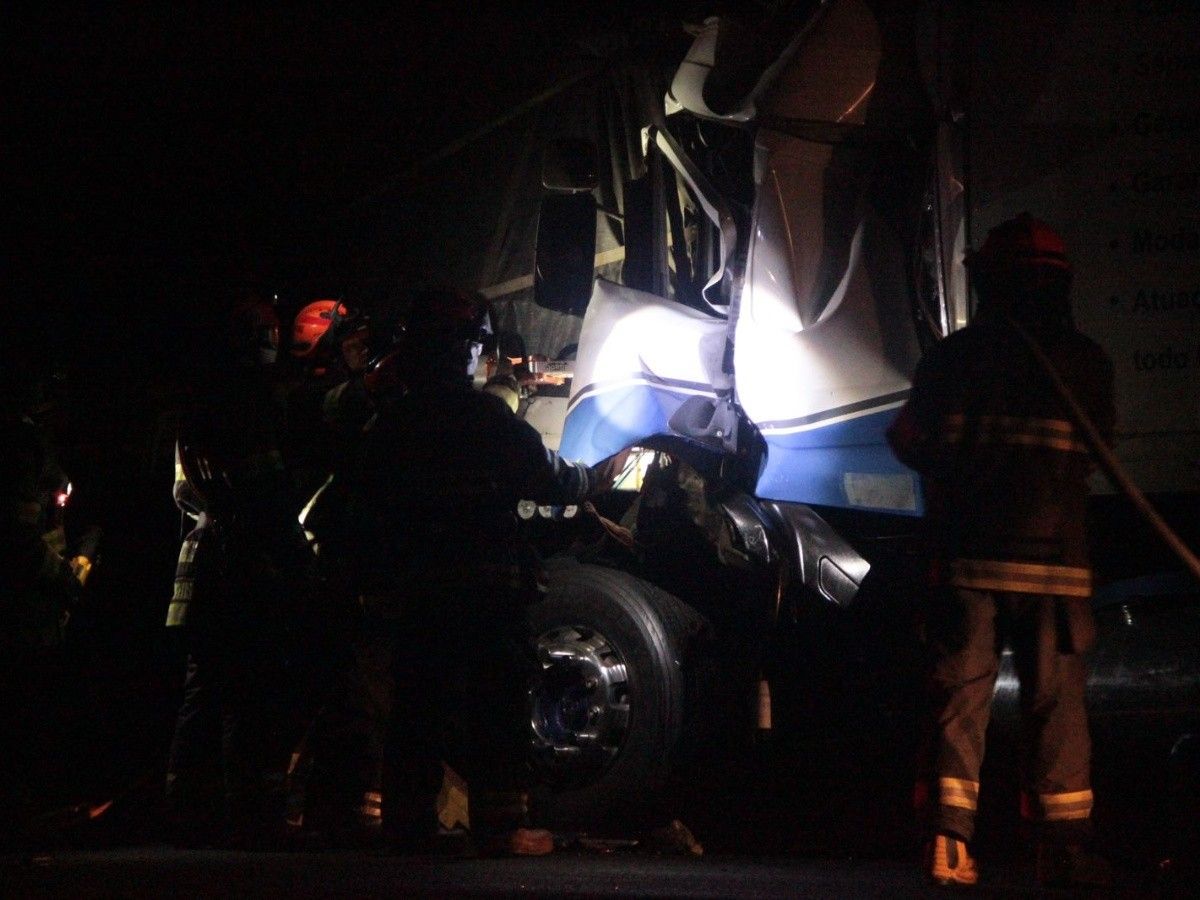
(653, 634)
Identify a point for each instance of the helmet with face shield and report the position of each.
(448, 331)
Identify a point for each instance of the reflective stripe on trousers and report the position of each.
(965, 630)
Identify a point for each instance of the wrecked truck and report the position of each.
(788, 233)
(738, 253)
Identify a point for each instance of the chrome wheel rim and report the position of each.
(580, 707)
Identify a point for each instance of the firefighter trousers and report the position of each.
(229, 721)
(444, 676)
(966, 632)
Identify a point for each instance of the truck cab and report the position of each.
(784, 257)
(745, 252)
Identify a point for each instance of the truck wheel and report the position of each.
(608, 711)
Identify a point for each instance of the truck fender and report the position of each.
(817, 556)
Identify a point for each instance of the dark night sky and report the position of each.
(159, 155)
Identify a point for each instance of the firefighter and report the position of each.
(437, 559)
(39, 589)
(243, 562)
(340, 760)
(327, 409)
(1005, 476)
(42, 585)
(328, 403)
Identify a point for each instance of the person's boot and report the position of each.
(524, 841)
(1071, 865)
(423, 835)
(950, 862)
(515, 839)
(341, 824)
(672, 839)
(500, 826)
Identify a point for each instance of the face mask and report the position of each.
(485, 331)
(476, 349)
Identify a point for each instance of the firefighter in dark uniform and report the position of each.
(349, 367)
(441, 570)
(240, 566)
(39, 585)
(1005, 472)
(328, 403)
(39, 588)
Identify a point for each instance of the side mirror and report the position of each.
(566, 253)
(569, 166)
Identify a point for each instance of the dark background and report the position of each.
(161, 158)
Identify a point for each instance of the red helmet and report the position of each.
(312, 323)
(1019, 243)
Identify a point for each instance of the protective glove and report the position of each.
(607, 472)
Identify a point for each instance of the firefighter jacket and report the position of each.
(437, 484)
(37, 585)
(1003, 468)
(325, 414)
(230, 479)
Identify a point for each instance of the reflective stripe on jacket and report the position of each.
(230, 477)
(1005, 471)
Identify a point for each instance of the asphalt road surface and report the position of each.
(165, 872)
(840, 829)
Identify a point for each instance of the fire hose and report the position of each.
(1107, 460)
